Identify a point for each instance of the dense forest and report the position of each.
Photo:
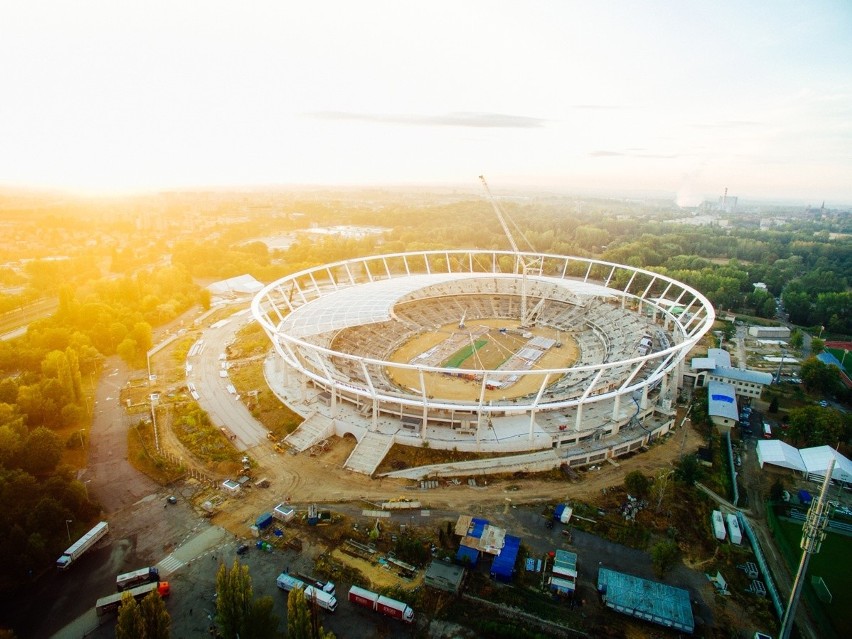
(112, 271)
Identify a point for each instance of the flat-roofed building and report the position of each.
(645, 599)
(444, 576)
(722, 405)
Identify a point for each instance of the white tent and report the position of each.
(778, 453)
(816, 462)
(240, 285)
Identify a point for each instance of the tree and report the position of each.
(797, 338)
(155, 617)
(41, 451)
(776, 491)
(663, 556)
(773, 405)
(129, 624)
(233, 598)
(298, 615)
(301, 624)
(688, 469)
(636, 483)
(817, 376)
(237, 612)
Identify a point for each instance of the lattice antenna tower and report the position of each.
(813, 534)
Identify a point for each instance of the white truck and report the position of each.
(325, 586)
(79, 547)
(323, 599)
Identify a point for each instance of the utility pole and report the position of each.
(813, 532)
(68, 529)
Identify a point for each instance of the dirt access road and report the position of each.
(305, 479)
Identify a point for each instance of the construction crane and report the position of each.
(525, 266)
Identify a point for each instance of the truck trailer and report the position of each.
(719, 525)
(110, 603)
(136, 578)
(382, 604)
(79, 547)
(325, 586)
(734, 531)
(324, 600)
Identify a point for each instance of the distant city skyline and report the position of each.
(687, 98)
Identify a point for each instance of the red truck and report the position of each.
(382, 604)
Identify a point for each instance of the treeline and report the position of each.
(799, 261)
(45, 403)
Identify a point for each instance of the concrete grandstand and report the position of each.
(432, 348)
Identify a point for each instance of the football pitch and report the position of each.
(832, 563)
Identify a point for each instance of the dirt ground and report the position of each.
(499, 348)
(304, 479)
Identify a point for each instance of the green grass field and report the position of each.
(455, 360)
(834, 564)
(846, 360)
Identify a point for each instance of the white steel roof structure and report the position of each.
(373, 302)
(609, 308)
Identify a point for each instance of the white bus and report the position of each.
(136, 578)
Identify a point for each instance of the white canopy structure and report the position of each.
(778, 453)
(816, 462)
(811, 462)
(240, 285)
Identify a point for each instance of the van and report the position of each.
(767, 431)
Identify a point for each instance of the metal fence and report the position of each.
(761, 562)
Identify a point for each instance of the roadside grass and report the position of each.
(141, 453)
(193, 428)
(264, 406)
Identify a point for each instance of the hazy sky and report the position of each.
(681, 96)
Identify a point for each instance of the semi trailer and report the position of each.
(380, 603)
(79, 547)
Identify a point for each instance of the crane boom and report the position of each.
(499, 215)
(520, 258)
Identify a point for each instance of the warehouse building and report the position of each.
(645, 599)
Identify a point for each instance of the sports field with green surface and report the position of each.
(833, 563)
(457, 358)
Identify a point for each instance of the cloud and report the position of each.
(464, 119)
(596, 107)
(728, 124)
(652, 156)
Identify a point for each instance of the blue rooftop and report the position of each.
(467, 555)
(476, 527)
(504, 563)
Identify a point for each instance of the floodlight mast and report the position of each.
(519, 257)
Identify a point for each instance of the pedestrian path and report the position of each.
(169, 565)
(369, 453)
(205, 541)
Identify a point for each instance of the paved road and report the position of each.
(224, 407)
